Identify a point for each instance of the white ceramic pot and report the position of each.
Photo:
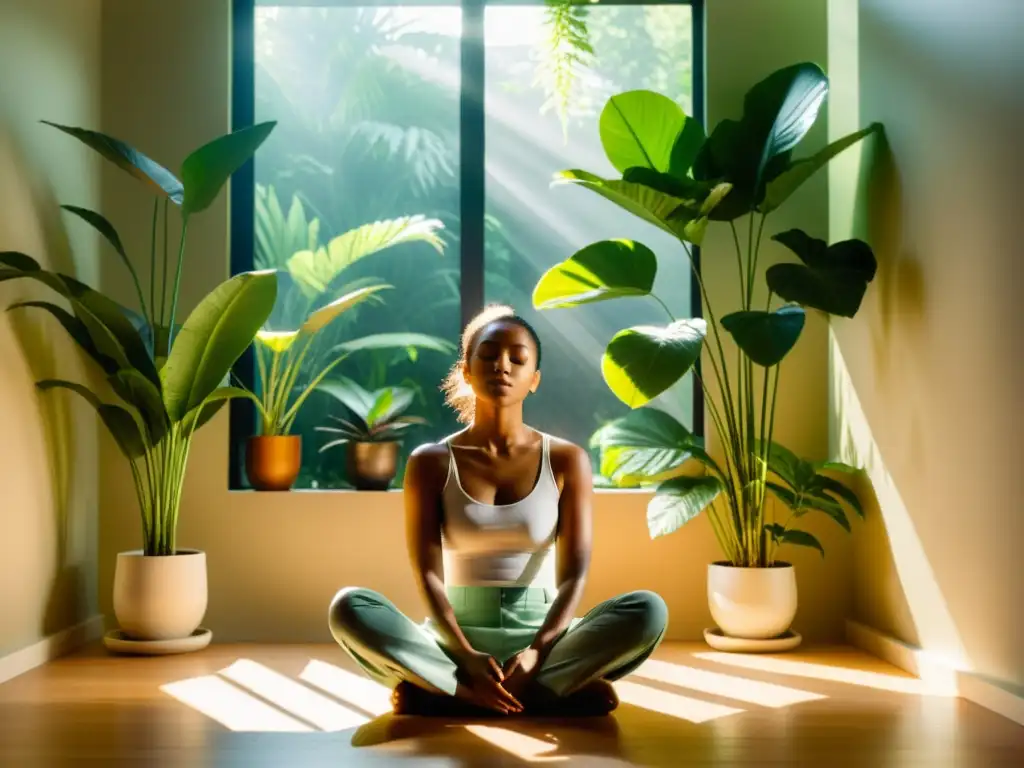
(752, 603)
(160, 597)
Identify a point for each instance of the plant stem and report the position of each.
(152, 272)
(739, 262)
(163, 284)
(177, 284)
(663, 306)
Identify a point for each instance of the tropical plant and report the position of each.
(566, 50)
(280, 356)
(374, 417)
(169, 376)
(678, 180)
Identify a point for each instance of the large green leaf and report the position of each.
(206, 170)
(640, 363)
(316, 270)
(838, 489)
(607, 269)
(678, 501)
(642, 446)
(766, 337)
(686, 220)
(280, 236)
(119, 422)
(352, 395)
(751, 152)
(127, 158)
(832, 278)
(783, 107)
(396, 341)
(139, 392)
(105, 228)
(106, 321)
(325, 315)
(792, 536)
(76, 329)
(644, 128)
(798, 171)
(828, 505)
(213, 337)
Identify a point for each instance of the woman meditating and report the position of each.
(499, 534)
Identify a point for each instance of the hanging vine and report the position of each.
(562, 54)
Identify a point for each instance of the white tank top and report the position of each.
(500, 545)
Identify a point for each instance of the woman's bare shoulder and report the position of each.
(427, 464)
(569, 459)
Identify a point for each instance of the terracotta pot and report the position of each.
(371, 466)
(752, 603)
(273, 463)
(160, 597)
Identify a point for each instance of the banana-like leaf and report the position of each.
(640, 363)
(129, 159)
(280, 236)
(678, 501)
(766, 337)
(352, 395)
(105, 228)
(607, 269)
(396, 341)
(213, 337)
(325, 315)
(106, 321)
(76, 330)
(207, 169)
(316, 270)
(120, 423)
(139, 392)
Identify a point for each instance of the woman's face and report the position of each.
(502, 365)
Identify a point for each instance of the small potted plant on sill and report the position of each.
(167, 376)
(679, 180)
(372, 434)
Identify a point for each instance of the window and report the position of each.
(437, 119)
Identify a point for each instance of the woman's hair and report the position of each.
(457, 391)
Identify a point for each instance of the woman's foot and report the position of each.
(595, 699)
(409, 699)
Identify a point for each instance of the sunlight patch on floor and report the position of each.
(672, 704)
(520, 745)
(292, 696)
(729, 686)
(230, 706)
(837, 674)
(357, 690)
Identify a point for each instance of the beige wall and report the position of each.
(275, 560)
(49, 54)
(927, 378)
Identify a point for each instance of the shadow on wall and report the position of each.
(38, 213)
(897, 591)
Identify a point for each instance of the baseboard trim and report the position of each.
(940, 677)
(49, 648)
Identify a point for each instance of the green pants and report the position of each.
(608, 643)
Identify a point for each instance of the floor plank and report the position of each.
(306, 705)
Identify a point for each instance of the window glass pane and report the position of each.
(532, 226)
(367, 104)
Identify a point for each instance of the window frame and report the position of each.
(472, 171)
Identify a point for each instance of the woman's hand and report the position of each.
(521, 669)
(483, 682)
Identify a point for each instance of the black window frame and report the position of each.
(472, 170)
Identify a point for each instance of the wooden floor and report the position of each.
(304, 705)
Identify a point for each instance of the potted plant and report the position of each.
(678, 179)
(372, 433)
(167, 376)
(274, 457)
